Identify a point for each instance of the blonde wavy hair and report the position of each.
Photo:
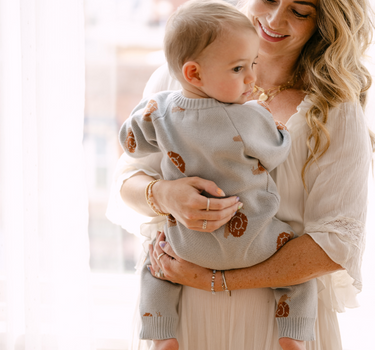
(332, 67)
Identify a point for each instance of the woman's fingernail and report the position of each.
(240, 205)
(149, 268)
(220, 192)
(237, 199)
(162, 244)
(234, 214)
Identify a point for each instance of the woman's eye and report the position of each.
(252, 65)
(299, 15)
(237, 69)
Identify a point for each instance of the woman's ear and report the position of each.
(191, 73)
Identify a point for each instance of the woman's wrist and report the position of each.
(158, 191)
(151, 200)
(132, 193)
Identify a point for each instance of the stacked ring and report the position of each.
(204, 226)
(208, 204)
(159, 274)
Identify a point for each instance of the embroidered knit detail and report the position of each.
(351, 230)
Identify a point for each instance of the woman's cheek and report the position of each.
(255, 9)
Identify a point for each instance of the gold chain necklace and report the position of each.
(269, 94)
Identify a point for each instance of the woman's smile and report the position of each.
(270, 35)
(276, 21)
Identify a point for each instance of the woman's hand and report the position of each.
(176, 269)
(182, 198)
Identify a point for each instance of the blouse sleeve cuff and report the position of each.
(342, 239)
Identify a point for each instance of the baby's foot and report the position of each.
(166, 344)
(291, 344)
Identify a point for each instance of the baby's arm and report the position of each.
(263, 138)
(137, 135)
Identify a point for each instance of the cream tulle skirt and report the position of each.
(244, 321)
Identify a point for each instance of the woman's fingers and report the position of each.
(182, 198)
(220, 204)
(208, 186)
(157, 254)
(167, 249)
(153, 260)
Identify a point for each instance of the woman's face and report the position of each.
(283, 26)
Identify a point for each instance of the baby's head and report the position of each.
(210, 47)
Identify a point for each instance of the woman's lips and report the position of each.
(269, 35)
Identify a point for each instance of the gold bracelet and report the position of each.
(224, 284)
(148, 194)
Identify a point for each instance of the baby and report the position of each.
(208, 130)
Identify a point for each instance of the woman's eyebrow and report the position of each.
(308, 3)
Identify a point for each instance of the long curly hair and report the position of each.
(332, 67)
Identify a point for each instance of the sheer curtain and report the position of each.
(44, 253)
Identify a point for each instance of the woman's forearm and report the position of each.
(133, 193)
(298, 261)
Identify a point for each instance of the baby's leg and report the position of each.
(291, 344)
(296, 313)
(158, 307)
(166, 344)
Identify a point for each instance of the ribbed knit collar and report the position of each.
(194, 103)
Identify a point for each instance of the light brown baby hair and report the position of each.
(194, 26)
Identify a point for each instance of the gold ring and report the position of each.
(159, 256)
(208, 204)
(204, 224)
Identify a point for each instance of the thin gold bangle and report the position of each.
(224, 284)
(148, 194)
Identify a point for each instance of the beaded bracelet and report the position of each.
(224, 284)
(213, 282)
(149, 196)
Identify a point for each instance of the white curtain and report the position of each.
(44, 252)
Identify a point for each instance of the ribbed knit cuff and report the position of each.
(158, 327)
(299, 328)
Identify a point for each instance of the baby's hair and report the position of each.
(194, 26)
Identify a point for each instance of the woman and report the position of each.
(322, 184)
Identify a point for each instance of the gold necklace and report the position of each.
(269, 94)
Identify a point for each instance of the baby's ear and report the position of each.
(191, 73)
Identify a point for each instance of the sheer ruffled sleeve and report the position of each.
(117, 211)
(336, 202)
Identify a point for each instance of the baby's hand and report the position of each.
(166, 344)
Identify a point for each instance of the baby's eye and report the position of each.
(237, 69)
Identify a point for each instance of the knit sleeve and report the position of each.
(137, 135)
(262, 137)
(126, 167)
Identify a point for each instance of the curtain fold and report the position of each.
(44, 249)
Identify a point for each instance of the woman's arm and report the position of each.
(182, 198)
(298, 261)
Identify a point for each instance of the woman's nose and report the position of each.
(276, 17)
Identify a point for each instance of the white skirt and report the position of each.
(244, 321)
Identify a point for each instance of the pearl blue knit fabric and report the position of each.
(236, 146)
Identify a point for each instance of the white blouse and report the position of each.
(332, 211)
